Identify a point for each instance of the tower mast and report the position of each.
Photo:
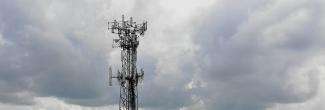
(128, 33)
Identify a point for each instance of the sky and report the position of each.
(196, 54)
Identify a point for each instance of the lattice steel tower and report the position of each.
(128, 40)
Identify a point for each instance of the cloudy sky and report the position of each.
(197, 54)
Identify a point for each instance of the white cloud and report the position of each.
(51, 103)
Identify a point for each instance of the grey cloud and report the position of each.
(247, 68)
(43, 60)
(58, 50)
(238, 55)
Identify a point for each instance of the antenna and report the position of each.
(128, 33)
(141, 75)
(110, 76)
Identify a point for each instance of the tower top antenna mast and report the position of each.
(128, 33)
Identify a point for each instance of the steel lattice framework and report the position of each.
(128, 40)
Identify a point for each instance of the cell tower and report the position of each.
(128, 78)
